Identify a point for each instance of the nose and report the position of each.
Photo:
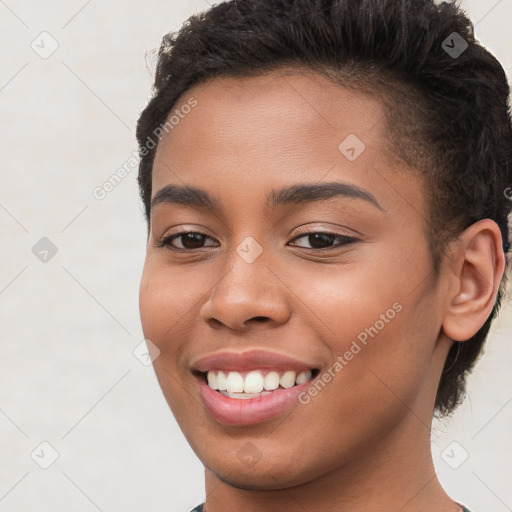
(247, 296)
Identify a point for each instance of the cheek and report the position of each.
(166, 299)
(163, 306)
(379, 326)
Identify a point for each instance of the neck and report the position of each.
(396, 472)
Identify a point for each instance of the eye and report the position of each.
(323, 241)
(193, 240)
(190, 240)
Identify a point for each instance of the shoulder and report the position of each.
(199, 508)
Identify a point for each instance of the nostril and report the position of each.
(260, 318)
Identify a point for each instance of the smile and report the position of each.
(255, 383)
(252, 386)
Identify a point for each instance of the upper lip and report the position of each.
(249, 360)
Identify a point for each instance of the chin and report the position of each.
(261, 476)
(254, 480)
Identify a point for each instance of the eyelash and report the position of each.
(166, 241)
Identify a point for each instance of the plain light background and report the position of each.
(69, 326)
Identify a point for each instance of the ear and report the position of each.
(476, 267)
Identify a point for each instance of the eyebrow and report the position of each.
(188, 195)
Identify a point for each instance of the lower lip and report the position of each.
(248, 411)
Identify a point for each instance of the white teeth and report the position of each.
(212, 380)
(244, 396)
(221, 381)
(271, 381)
(287, 380)
(234, 382)
(253, 382)
(256, 382)
(301, 378)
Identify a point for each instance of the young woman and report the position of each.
(325, 189)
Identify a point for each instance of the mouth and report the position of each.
(240, 404)
(243, 385)
(253, 386)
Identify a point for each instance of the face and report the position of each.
(310, 255)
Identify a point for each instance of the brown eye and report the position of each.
(190, 240)
(319, 240)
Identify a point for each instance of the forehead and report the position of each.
(246, 136)
(281, 119)
(308, 92)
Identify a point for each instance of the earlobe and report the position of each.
(476, 273)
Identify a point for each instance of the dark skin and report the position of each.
(364, 441)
